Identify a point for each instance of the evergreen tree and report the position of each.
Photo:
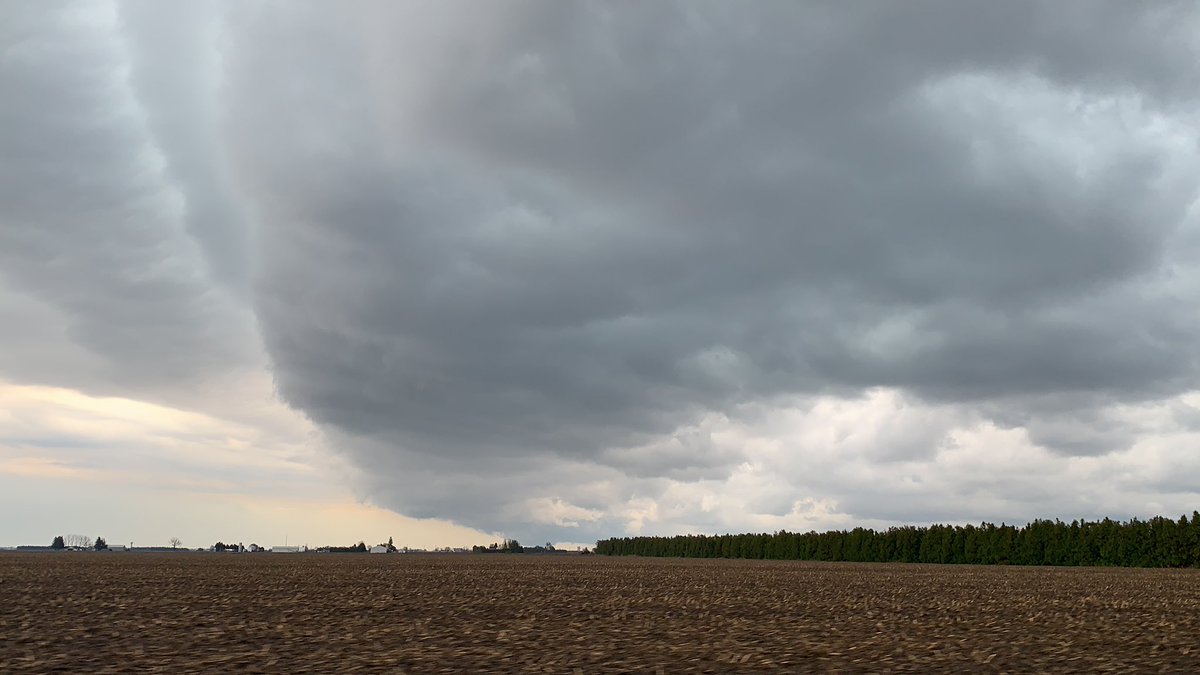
(1158, 542)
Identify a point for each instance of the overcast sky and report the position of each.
(446, 271)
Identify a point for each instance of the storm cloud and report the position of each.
(565, 268)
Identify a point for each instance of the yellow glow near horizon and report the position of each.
(199, 474)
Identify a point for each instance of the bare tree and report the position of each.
(78, 541)
(175, 542)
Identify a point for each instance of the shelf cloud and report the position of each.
(570, 269)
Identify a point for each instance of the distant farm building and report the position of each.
(379, 549)
(285, 549)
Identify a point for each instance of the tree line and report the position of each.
(1157, 542)
(509, 546)
(78, 541)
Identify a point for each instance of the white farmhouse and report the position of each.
(379, 549)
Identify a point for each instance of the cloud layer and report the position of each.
(573, 268)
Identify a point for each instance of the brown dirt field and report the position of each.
(187, 612)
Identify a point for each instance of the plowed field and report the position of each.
(187, 612)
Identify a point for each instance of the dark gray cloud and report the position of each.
(725, 209)
(545, 242)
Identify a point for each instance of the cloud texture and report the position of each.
(567, 269)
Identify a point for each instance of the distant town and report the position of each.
(85, 543)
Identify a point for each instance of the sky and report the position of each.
(452, 271)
